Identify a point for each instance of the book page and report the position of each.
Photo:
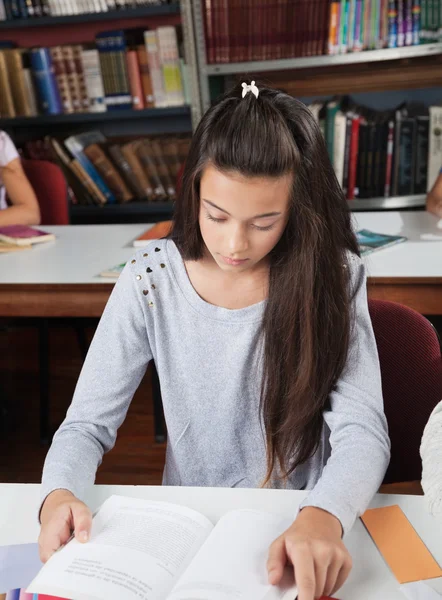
(137, 550)
(232, 563)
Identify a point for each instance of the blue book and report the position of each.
(370, 242)
(76, 144)
(45, 82)
(111, 46)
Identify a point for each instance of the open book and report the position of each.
(149, 550)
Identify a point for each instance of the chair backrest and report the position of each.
(411, 368)
(51, 190)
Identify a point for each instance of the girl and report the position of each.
(23, 209)
(255, 312)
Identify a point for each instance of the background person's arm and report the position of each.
(24, 209)
(434, 197)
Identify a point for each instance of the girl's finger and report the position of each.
(52, 536)
(322, 565)
(304, 568)
(333, 571)
(82, 520)
(343, 574)
(276, 561)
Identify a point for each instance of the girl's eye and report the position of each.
(215, 220)
(268, 228)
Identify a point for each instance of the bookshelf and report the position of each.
(132, 212)
(379, 70)
(111, 15)
(95, 118)
(82, 29)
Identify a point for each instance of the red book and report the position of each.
(390, 146)
(353, 159)
(135, 83)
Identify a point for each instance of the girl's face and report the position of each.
(242, 218)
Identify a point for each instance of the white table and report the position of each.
(61, 278)
(411, 272)
(370, 578)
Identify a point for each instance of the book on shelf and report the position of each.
(140, 548)
(240, 32)
(158, 231)
(104, 171)
(22, 235)
(21, 9)
(369, 241)
(380, 154)
(124, 69)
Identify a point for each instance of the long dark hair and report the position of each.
(307, 319)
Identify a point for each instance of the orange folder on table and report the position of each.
(400, 545)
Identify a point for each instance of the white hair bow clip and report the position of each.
(250, 88)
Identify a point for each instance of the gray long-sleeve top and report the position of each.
(208, 362)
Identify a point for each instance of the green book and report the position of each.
(369, 241)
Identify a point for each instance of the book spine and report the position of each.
(108, 172)
(422, 147)
(76, 150)
(400, 23)
(145, 77)
(93, 80)
(44, 77)
(126, 171)
(136, 87)
(423, 22)
(79, 73)
(72, 79)
(169, 59)
(392, 24)
(357, 44)
(406, 158)
(333, 27)
(6, 101)
(409, 22)
(416, 22)
(16, 77)
(153, 59)
(348, 131)
(61, 79)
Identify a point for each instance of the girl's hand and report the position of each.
(62, 513)
(314, 547)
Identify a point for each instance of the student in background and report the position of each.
(255, 312)
(18, 203)
(434, 197)
(431, 454)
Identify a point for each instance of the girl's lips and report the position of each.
(234, 263)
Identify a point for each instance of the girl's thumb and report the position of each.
(82, 521)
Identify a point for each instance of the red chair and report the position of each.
(51, 190)
(411, 367)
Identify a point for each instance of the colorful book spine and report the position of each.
(359, 11)
(45, 83)
(416, 22)
(392, 24)
(93, 80)
(400, 23)
(156, 75)
(333, 27)
(112, 48)
(76, 149)
(408, 26)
